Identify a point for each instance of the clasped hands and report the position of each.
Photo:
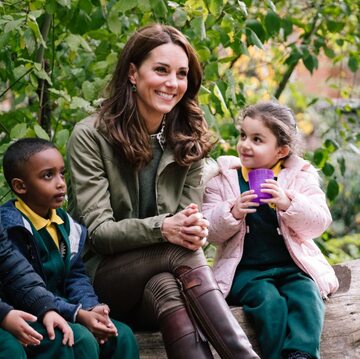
(187, 228)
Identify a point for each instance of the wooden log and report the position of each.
(341, 333)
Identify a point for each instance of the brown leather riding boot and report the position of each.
(180, 337)
(213, 313)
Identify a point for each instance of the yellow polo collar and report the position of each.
(276, 169)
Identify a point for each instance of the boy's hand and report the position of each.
(244, 205)
(53, 320)
(15, 323)
(98, 322)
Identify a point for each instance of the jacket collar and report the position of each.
(10, 216)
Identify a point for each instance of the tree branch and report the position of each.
(42, 91)
(292, 66)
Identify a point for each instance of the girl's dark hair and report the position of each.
(280, 120)
(186, 130)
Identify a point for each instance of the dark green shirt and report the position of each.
(147, 176)
(263, 245)
(55, 261)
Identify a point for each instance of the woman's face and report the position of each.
(161, 81)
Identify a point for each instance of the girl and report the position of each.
(267, 260)
(137, 183)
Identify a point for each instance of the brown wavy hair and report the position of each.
(186, 130)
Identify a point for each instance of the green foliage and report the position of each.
(58, 55)
(343, 249)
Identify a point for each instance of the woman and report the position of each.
(136, 170)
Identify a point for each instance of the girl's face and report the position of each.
(161, 81)
(257, 146)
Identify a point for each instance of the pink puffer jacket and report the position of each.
(307, 218)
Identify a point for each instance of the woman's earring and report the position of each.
(133, 88)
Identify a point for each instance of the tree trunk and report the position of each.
(341, 334)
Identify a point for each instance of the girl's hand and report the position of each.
(186, 228)
(243, 205)
(279, 197)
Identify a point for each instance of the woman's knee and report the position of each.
(181, 256)
(162, 293)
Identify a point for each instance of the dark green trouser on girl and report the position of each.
(124, 346)
(285, 306)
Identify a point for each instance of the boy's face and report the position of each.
(43, 186)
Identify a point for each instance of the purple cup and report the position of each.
(256, 178)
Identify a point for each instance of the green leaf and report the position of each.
(253, 39)
(61, 138)
(144, 5)
(86, 5)
(114, 23)
(30, 42)
(227, 23)
(220, 97)
(89, 90)
(78, 102)
(18, 131)
(311, 63)
(328, 169)
(215, 7)
(204, 53)
(332, 189)
(331, 145)
(243, 8)
(12, 25)
(34, 26)
(258, 29)
(179, 17)
(211, 72)
(329, 52)
(210, 119)
(41, 74)
(335, 26)
(231, 87)
(272, 23)
(125, 5)
(65, 3)
(35, 14)
(19, 71)
(342, 165)
(41, 133)
(353, 63)
(198, 26)
(159, 8)
(320, 157)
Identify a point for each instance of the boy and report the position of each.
(49, 238)
(27, 291)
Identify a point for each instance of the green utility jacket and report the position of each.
(104, 194)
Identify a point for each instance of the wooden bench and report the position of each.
(341, 334)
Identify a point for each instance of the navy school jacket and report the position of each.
(78, 291)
